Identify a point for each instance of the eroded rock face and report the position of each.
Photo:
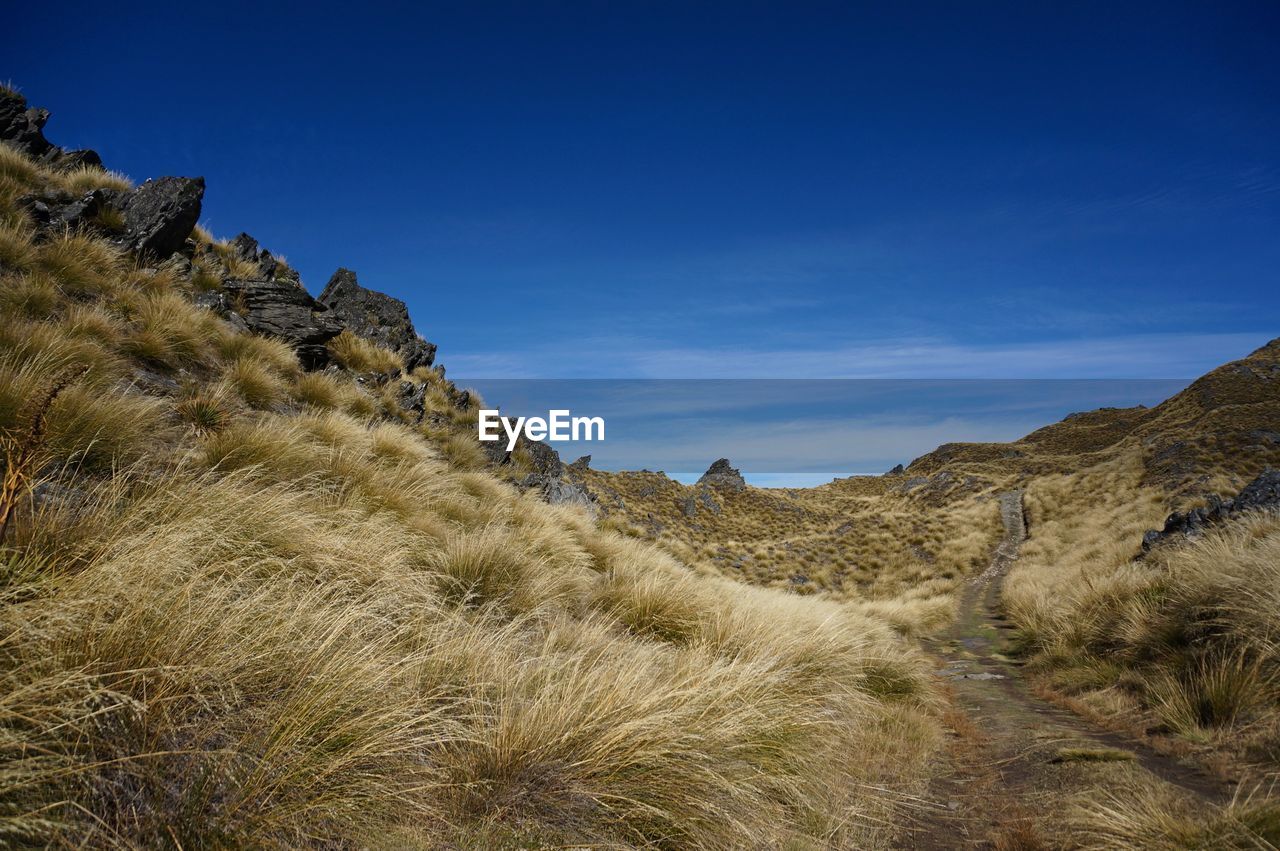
(377, 317)
(157, 217)
(723, 475)
(22, 128)
(700, 498)
(160, 214)
(64, 212)
(283, 309)
(1262, 494)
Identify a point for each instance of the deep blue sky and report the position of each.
(736, 189)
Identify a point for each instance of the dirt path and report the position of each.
(1013, 759)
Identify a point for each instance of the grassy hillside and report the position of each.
(867, 541)
(1179, 644)
(250, 605)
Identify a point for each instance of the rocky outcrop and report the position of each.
(412, 399)
(22, 128)
(377, 317)
(1262, 494)
(556, 482)
(722, 475)
(281, 308)
(702, 497)
(61, 212)
(157, 217)
(160, 214)
(246, 248)
(550, 477)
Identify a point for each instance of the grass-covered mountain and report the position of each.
(262, 587)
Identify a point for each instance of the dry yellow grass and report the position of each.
(862, 540)
(1185, 638)
(360, 355)
(246, 606)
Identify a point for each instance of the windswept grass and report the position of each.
(1161, 819)
(1185, 638)
(248, 606)
(360, 355)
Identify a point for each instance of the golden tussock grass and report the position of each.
(246, 606)
(1144, 815)
(1185, 638)
(855, 540)
(360, 355)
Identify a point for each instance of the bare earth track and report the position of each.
(1005, 776)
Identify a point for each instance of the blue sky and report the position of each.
(722, 189)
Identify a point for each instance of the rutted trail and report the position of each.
(1005, 766)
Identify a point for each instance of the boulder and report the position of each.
(722, 475)
(283, 309)
(159, 215)
(376, 317)
(21, 127)
(82, 158)
(557, 483)
(1262, 494)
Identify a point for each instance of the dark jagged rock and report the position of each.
(160, 214)
(413, 399)
(377, 317)
(558, 484)
(702, 497)
(246, 248)
(283, 309)
(552, 479)
(82, 158)
(722, 475)
(63, 212)
(897, 470)
(1262, 494)
(22, 128)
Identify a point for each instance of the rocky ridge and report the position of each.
(257, 292)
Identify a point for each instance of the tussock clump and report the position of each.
(360, 355)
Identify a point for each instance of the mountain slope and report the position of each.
(261, 587)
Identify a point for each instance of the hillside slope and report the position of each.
(262, 587)
(910, 535)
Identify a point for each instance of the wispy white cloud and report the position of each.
(1167, 355)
